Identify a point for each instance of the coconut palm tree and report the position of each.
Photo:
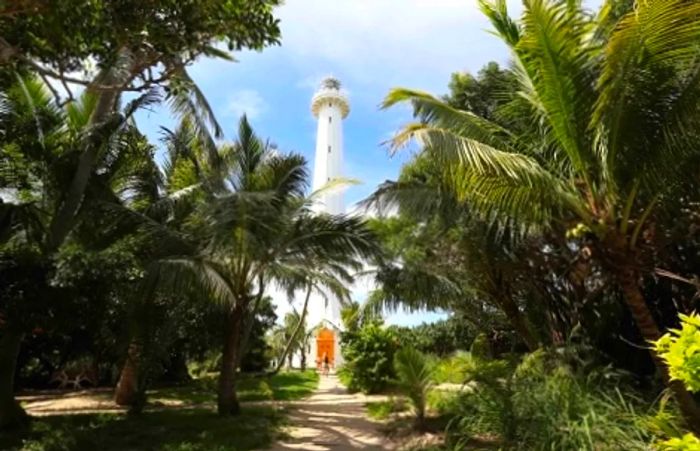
(329, 279)
(42, 145)
(457, 262)
(256, 228)
(70, 158)
(613, 144)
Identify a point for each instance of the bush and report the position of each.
(680, 349)
(441, 338)
(414, 379)
(544, 403)
(369, 355)
(453, 369)
(688, 442)
(481, 348)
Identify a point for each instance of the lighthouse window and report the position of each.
(329, 149)
(330, 119)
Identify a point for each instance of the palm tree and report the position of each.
(328, 278)
(289, 338)
(256, 227)
(613, 143)
(455, 261)
(44, 145)
(415, 379)
(68, 156)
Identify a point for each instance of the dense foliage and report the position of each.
(115, 265)
(550, 208)
(680, 349)
(558, 195)
(546, 403)
(368, 352)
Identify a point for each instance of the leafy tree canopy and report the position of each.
(56, 37)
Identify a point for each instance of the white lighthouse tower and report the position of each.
(330, 106)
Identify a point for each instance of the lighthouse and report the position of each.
(330, 106)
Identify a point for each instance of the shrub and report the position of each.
(543, 403)
(414, 379)
(453, 369)
(680, 349)
(481, 348)
(440, 338)
(688, 442)
(369, 355)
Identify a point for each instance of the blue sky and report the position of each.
(371, 46)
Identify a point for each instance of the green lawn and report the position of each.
(183, 429)
(285, 386)
(173, 428)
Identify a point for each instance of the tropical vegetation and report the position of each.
(556, 199)
(547, 208)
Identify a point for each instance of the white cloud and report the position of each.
(246, 101)
(389, 40)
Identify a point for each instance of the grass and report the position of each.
(382, 410)
(171, 430)
(285, 386)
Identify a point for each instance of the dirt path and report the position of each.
(330, 419)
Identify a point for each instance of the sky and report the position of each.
(371, 46)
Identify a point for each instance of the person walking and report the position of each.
(326, 364)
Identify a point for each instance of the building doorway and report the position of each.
(325, 346)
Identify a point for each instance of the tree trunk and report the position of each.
(249, 321)
(227, 400)
(127, 391)
(517, 320)
(294, 335)
(629, 282)
(303, 357)
(12, 415)
(64, 219)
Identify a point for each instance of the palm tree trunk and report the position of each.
(126, 393)
(629, 282)
(11, 413)
(227, 400)
(295, 334)
(517, 320)
(63, 220)
(248, 323)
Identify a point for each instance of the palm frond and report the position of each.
(187, 101)
(439, 114)
(653, 50)
(497, 13)
(556, 52)
(185, 274)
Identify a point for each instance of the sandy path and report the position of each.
(330, 419)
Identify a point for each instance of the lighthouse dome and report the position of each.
(330, 92)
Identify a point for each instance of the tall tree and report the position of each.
(42, 146)
(255, 228)
(616, 113)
